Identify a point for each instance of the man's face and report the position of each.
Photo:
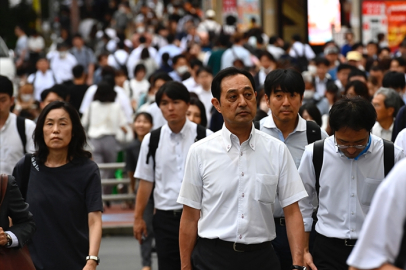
(77, 42)
(265, 62)
(382, 113)
(284, 106)
(157, 85)
(342, 75)
(205, 79)
(50, 98)
(321, 70)
(378, 74)
(173, 110)
(394, 66)
(181, 63)
(349, 137)
(371, 50)
(5, 104)
(332, 57)
(237, 103)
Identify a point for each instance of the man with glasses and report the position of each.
(344, 171)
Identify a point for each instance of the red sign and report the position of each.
(229, 6)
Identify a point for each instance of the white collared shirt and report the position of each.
(346, 188)
(41, 82)
(321, 86)
(11, 146)
(379, 131)
(300, 48)
(62, 67)
(381, 234)
(235, 185)
(234, 53)
(170, 160)
(135, 56)
(191, 84)
(401, 140)
(157, 115)
(121, 97)
(295, 141)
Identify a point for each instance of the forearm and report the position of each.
(132, 182)
(95, 232)
(295, 232)
(143, 194)
(188, 236)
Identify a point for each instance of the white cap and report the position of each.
(210, 13)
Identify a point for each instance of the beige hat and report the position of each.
(210, 13)
(354, 56)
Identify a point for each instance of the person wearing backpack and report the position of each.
(343, 171)
(161, 164)
(284, 94)
(302, 52)
(15, 131)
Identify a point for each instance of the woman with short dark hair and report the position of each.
(63, 191)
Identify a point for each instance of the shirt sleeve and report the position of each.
(30, 78)
(145, 171)
(191, 191)
(380, 237)
(290, 186)
(29, 131)
(87, 99)
(94, 201)
(14, 239)
(306, 171)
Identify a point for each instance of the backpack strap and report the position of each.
(388, 156)
(201, 132)
(313, 132)
(153, 144)
(25, 175)
(318, 153)
(257, 125)
(21, 132)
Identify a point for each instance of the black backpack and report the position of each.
(313, 131)
(301, 60)
(156, 135)
(318, 153)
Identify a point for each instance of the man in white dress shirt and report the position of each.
(383, 233)
(352, 165)
(387, 103)
(230, 185)
(284, 94)
(42, 79)
(165, 169)
(62, 63)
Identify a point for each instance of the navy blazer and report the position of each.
(13, 206)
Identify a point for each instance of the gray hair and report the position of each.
(392, 98)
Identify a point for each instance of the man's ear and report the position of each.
(216, 104)
(267, 100)
(390, 112)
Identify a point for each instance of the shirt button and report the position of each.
(240, 236)
(242, 174)
(242, 216)
(352, 213)
(352, 195)
(352, 230)
(241, 153)
(243, 195)
(352, 176)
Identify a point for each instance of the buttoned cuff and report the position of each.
(189, 203)
(14, 238)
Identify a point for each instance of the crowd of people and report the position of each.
(301, 143)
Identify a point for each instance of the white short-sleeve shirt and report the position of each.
(235, 186)
(382, 232)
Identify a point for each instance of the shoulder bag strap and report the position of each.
(21, 132)
(313, 132)
(201, 132)
(318, 153)
(25, 175)
(153, 144)
(388, 156)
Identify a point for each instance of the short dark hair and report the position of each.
(6, 86)
(59, 89)
(344, 66)
(322, 61)
(77, 35)
(400, 60)
(78, 141)
(272, 40)
(195, 62)
(360, 88)
(174, 90)
(296, 37)
(394, 80)
(354, 113)
(289, 80)
(148, 116)
(105, 92)
(176, 58)
(204, 69)
(160, 76)
(103, 54)
(227, 72)
(268, 55)
(78, 71)
(139, 67)
(170, 38)
(312, 110)
(203, 118)
(357, 72)
(144, 53)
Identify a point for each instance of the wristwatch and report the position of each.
(9, 240)
(298, 267)
(94, 258)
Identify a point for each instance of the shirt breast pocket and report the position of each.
(369, 189)
(265, 188)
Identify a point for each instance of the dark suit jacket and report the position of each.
(13, 206)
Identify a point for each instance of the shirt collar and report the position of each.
(270, 123)
(11, 117)
(185, 129)
(226, 134)
(319, 81)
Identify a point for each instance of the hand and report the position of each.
(139, 229)
(3, 237)
(90, 265)
(308, 260)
